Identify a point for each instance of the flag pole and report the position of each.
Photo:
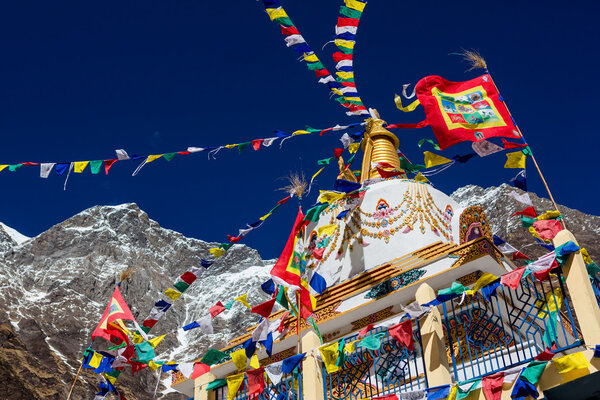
(531, 152)
(75, 381)
(298, 323)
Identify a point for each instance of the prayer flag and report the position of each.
(528, 212)
(243, 299)
(217, 252)
(318, 283)
(287, 267)
(274, 372)
(172, 294)
(571, 362)
(239, 359)
(547, 229)
(511, 145)
(233, 385)
(403, 334)
(290, 363)
(329, 354)
(199, 370)
(533, 371)
(116, 309)
(217, 383)
(254, 363)
(513, 278)
(256, 382)
(45, 169)
(268, 287)
(212, 357)
(519, 181)
(461, 111)
(372, 342)
(79, 166)
(515, 160)
(492, 386)
(485, 148)
(264, 309)
(216, 309)
(431, 159)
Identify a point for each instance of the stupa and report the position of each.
(400, 242)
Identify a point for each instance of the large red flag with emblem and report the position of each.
(464, 111)
(116, 309)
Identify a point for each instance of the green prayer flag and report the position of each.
(323, 243)
(312, 323)
(145, 352)
(355, 102)
(95, 166)
(351, 159)
(409, 167)
(14, 167)
(341, 355)
(315, 65)
(114, 373)
(456, 288)
(345, 79)
(281, 298)
(285, 21)
(533, 371)
(526, 222)
(274, 209)
(313, 214)
(527, 152)
(216, 384)
(146, 329)
(213, 356)
(242, 146)
(311, 130)
(325, 161)
(372, 342)
(181, 286)
(340, 99)
(434, 144)
(169, 156)
(345, 50)
(350, 13)
(229, 305)
(592, 269)
(465, 391)
(551, 326)
(124, 344)
(226, 246)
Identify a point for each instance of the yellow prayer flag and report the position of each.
(153, 157)
(453, 392)
(485, 279)
(137, 338)
(95, 360)
(265, 216)
(311, 57)
(233, 385)
(350, 347)
(111, 379)
(217, 252)
(549, 305)
(172, 294)
(79, 166)
(349, 44)
(154, 342)
(254, 363)
(570, 362)
(243, 299)
(239, 359)
(330, 353)
(337, 91)
(300, 132)
(275, 13)
(231, 146)
(329, 197)
(548, 215)
(408, 108)
(3, 166)
(586, 256)
(317, 173)
(432, 159)
(353, 99)
(345, 75)
(328, 230)
(153, 366)
(515, 160)
(123, 327)
(355, 5)
(353, 147)
(421, 178)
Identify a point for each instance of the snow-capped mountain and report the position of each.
(55, 286)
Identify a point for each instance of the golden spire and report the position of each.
(378, 145)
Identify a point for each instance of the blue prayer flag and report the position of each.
(289, 364)
(191, 326)
(268, 287)
(318, 283)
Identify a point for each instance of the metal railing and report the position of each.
(366, 373)
(505, 327)
(290, 388)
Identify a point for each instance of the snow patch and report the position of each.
(18, 237)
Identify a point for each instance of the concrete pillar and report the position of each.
(581, 292)
(200, 392)
(312, 376)
(432, 336)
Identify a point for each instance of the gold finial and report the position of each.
(378, 145)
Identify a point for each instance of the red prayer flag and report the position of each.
(548, 228)
(321, 72)
(337, 153)
(543, 275)
(512, 145)
(347, 21)
(283, 268)
(281, 326)
(546, 355)
(284, 200)
(149, 323)
(365, 330)
(339, 56)
(234, 239)
(256, 143)
(200, 369)
(108, 164)
(265, 308)
(136, 366)
(116, 309)
(403, 334)
(188, 277)
(30, 163)
(464, 111)
(318, 253)
(512, 278)
(183, 153)
(256, 382)
(388, 174)
(325, 130)
(492, 386)
(386, 397)
(216, 309)
(517, 255)
(354, 107)
(528, 212)
(289, 30)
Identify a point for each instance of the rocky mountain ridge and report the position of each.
(54, 287)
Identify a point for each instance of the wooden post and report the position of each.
(312, 376)
(581, 292)
(432, 336)
(75, 381)
(200, 392)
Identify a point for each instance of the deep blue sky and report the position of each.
(80, 79)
